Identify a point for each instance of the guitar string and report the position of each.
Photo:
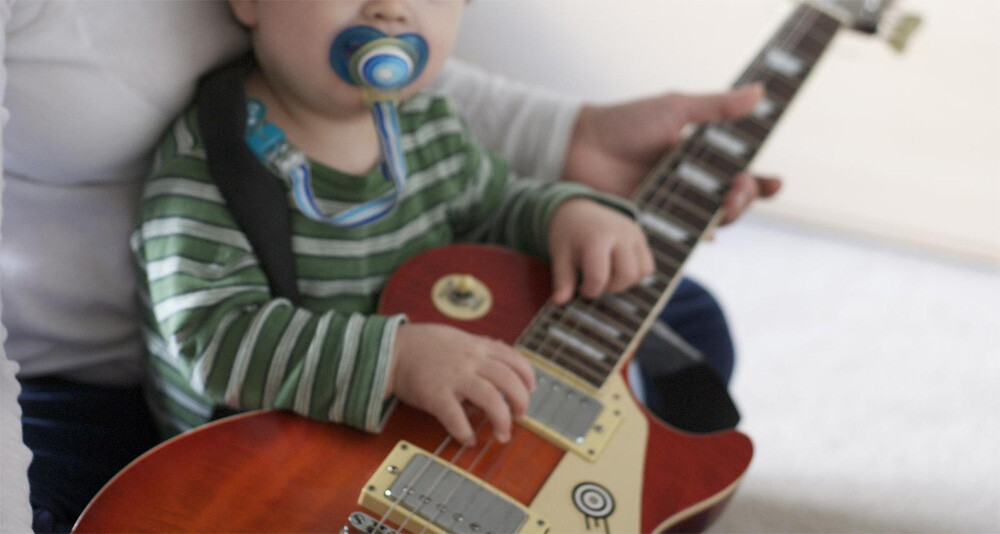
(436, 454)
(426, 496)
(560, 352)
(668, 197)
(443, 507)
(440, 477)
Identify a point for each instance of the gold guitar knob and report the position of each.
(462, 296)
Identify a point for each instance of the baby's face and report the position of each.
(292, 38)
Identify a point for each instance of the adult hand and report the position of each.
(614, 147)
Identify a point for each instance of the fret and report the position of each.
(665, 227)
(643, 293)
(751, 146)
(778, 86)
(637, 301)
(825, 24)
(656, 284)
(700, 178)
(812, 45)
(691, 219)
(764, 109)
(656, 187)
(784, 62)
(569, 358)
(674, 222)
(566, 351)
(579, 322)
(607, 309)
(675, 252)
(682, 191)
(751, 128)
(667, 258)
(727, 167)
(620, 305)
(572, 338)
(724, 140)
(683, 203)
(604, 314)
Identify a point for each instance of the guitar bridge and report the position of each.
(421, 493)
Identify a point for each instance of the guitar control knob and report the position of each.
(462, 296)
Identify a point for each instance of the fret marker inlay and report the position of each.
(698, 177)
(627, 307)
(783, 63)
(664, 227)
(592, 322)
(725, 142)
(582, 347)
(763, 109)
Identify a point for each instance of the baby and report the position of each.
(216, 333)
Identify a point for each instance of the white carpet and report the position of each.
(868, 379)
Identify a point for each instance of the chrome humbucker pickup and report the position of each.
(567, 415)
(417, 491)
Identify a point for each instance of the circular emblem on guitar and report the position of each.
(594, 500)
(462, 296)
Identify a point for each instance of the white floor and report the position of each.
(868, 378)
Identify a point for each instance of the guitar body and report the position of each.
(273, 471)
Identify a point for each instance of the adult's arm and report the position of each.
(528, 125)
(608, 147)
(15, 513)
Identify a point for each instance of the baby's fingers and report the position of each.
(563, 273)
(596, 268)
(516, 361)
(625, 271)
(509, 383)
(480, 392)
(450, 414)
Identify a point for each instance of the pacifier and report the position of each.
(381, 65)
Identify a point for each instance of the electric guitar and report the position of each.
(587, 457)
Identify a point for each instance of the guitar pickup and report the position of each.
(568, 416)
(419, 493)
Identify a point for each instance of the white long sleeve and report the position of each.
(15, 513)
(528, 125)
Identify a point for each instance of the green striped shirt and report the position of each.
(215, 333)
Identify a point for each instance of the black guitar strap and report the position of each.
(256, 198)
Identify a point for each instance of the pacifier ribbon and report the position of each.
(381, 65)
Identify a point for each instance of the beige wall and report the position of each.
(905, 147)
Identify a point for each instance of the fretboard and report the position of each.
(679, 201)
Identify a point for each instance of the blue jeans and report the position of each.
(695, 315)
(81, 435)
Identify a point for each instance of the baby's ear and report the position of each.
(245, 11)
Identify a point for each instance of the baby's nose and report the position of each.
(387, 11)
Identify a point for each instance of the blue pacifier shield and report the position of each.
(367, 57)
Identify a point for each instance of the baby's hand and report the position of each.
(606, 247)
(437, 367)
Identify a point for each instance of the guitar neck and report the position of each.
(678, 202)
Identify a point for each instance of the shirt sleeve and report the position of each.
(15, 512)
(215, 328)
(529, 126)
(498, 207)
